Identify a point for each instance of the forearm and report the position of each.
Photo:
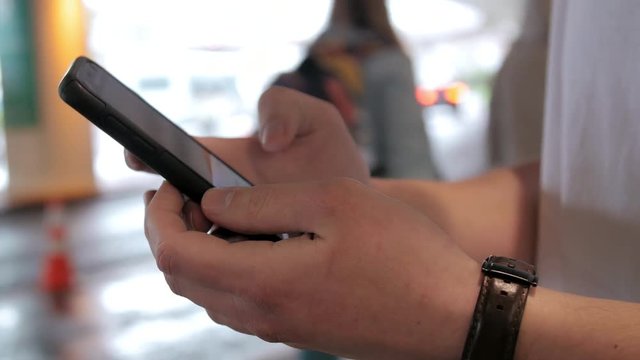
(564, 326)
(492, 214)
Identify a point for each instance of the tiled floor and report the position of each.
(120, 306)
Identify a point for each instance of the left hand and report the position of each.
(379, 280)
(300, 138)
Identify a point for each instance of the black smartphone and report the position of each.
(145, 132)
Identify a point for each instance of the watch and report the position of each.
(496, 319)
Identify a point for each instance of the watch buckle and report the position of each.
(508, 269)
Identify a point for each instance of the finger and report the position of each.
(246, 317)
(194, 217)
(218, 264)
(283, 116)
(222, 307)
(239, 153)
(148, 195)
(163, 216)
(275, 208)
(194, 255)
(241, 267)
(201, 295)
(134, 163)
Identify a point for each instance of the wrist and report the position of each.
(549, 329)
(452, 321)
(466, 297)
(532, 321)
(559, 325)
(433, 319)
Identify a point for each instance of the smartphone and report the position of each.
(145, 132)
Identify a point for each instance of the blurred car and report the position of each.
(451, 94)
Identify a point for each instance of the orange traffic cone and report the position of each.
(57, 271)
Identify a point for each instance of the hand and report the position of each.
(378, 279)
(300, 138)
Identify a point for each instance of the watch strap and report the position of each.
(498, 313)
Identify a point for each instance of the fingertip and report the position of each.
(280, 118)
(132, 161)
(216, 201)
(163, 213)
(148, 196)
(274, 136)
(167, 196)
(195, 218)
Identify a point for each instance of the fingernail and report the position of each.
(217, 200)
(263, 135)
(190, 223)
(270, 133)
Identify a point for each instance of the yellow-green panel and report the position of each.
(17, 58)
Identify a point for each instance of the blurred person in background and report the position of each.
(358, 64)
(391, 268)
(517, 105)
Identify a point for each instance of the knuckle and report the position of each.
(266, 298)
(271, 302)
(333, 114)
(269, 95)
(330, 112)
(147, 222)
(218, 317)
(269, 331)
(336, 196)
(165, 257)
(337, 191)
(348, 184)
(258, 201)
(147, 231)
(173, 284)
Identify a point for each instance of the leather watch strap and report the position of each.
(496, 319)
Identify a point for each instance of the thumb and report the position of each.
(271, 209)
(286, 114)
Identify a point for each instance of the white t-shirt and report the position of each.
(590, 204)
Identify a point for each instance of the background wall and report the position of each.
(49, 157)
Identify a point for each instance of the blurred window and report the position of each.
(203, 64)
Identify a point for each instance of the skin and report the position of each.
(248, 285)
(391, 270)
(460, 208)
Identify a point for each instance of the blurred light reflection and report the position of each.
(437, 18)
(9, 317)
(146, 335)
(142, 293)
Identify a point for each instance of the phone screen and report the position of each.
(158, 127)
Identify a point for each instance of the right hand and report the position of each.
(300, 138)
(378, 280)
